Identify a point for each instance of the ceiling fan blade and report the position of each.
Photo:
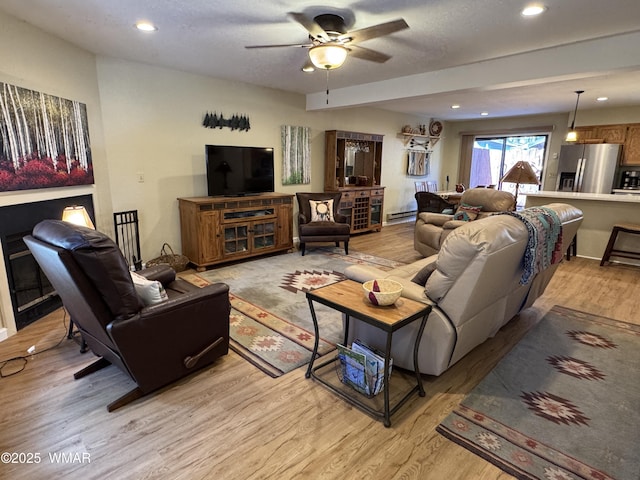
(309, 45)
(315, 30)
(367, 54)
(375, 31)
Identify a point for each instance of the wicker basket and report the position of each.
(390, 291)
(175, 261)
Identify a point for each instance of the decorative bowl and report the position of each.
(389, 291)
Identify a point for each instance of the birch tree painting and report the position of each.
(44, 141)
(296, 155)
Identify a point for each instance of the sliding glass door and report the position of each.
(493, 156)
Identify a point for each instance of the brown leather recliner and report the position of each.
(156, 344)
(321, 231)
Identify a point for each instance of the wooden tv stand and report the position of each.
(222, 229)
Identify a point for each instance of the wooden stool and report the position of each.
(610, 251)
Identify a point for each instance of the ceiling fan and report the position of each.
(330, 42)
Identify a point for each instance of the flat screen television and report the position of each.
(239, 171)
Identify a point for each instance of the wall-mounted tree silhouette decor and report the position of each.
(236, 122)
(44, 140)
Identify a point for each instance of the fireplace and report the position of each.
(32, 296)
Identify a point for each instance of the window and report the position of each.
(493, 156)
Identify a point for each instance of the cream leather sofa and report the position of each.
(474, 290)
(432, 228)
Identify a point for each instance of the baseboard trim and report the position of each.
(399, 221)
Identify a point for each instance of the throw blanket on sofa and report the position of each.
(545, 240)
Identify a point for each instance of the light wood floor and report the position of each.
(231, 421)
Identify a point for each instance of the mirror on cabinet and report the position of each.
(356, 158)
(352, 159)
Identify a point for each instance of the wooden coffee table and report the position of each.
(348, 297)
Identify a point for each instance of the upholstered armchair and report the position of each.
(155, 339)
(432, 228)
(320, 221)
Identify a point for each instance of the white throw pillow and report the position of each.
(150, 291)
(321, 210)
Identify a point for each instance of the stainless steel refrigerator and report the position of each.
(588, 168)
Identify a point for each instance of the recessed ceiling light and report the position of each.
(484, 114)
(602, 99)
(455, 106)
(146, 27)
(533, 10)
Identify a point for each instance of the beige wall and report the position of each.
(35, 60)
(608, 116)
(152, 125)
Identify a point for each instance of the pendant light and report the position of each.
(572, 135)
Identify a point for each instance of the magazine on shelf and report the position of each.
(353, 368)
(363, 367)
(374, 365)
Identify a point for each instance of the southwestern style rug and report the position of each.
(270, 324)
(562, 405)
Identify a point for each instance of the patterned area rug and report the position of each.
(270, 324)
(562, 405)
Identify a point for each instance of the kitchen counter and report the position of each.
(601, 211)
(627, 191)
(603, 197)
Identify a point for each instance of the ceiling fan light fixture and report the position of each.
(328, 57)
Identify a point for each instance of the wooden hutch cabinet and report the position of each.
(353, 166)
(222, 229)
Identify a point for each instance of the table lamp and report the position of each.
(77, 215)
(521, 173)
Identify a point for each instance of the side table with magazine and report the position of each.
(359, 372)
